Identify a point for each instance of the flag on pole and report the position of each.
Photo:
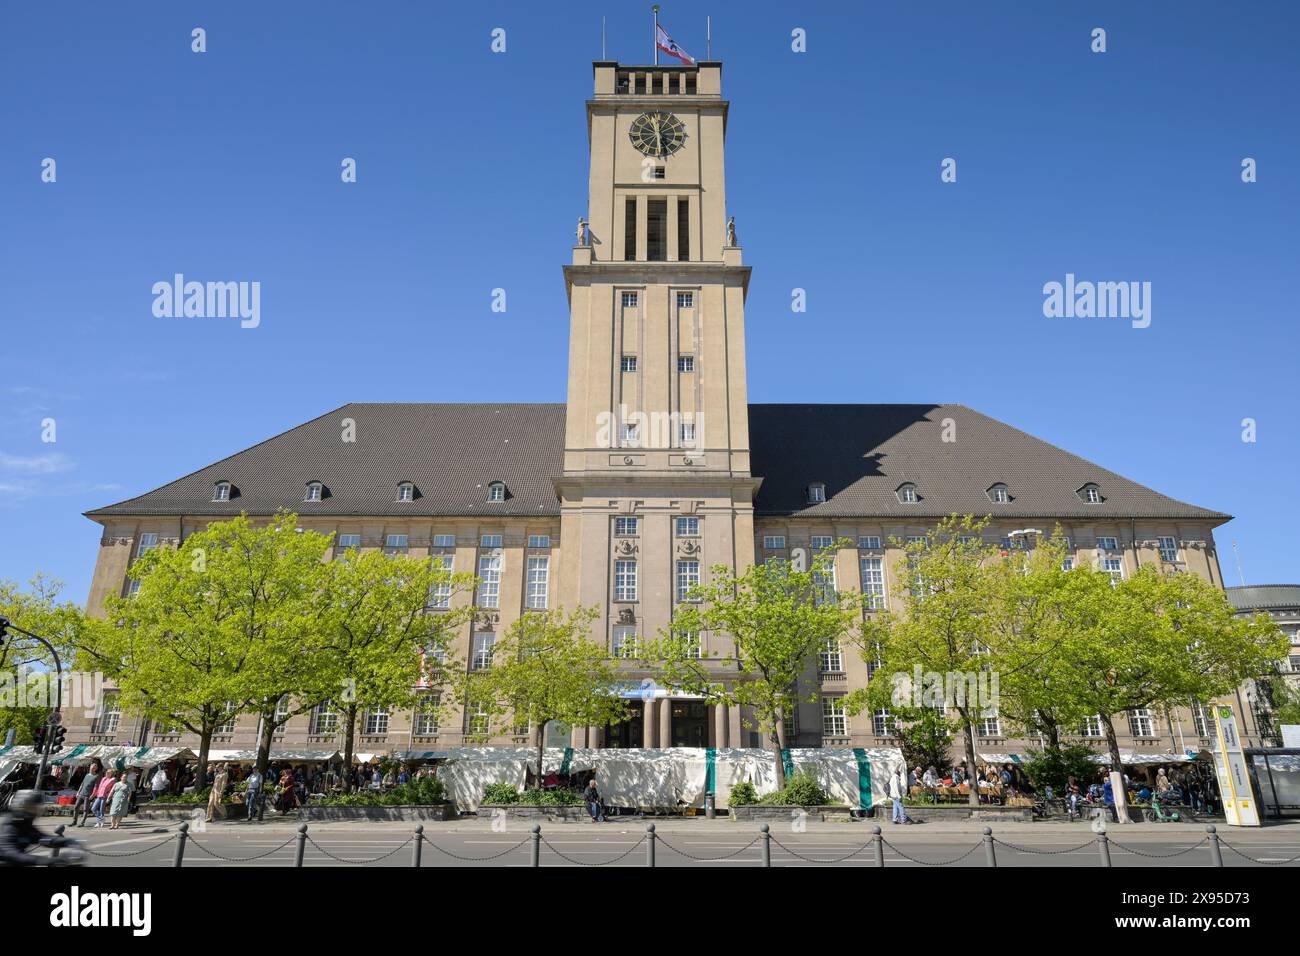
(669, 46)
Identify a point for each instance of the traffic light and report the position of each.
(39, 738)
(57, 733)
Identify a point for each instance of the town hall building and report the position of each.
(656, 469)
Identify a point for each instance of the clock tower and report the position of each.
(656, 486)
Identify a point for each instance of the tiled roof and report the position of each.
(1260, 597)
(862, 453)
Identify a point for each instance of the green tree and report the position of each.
(1156, 640)
(777, 617)
(936, 644)
(25, 663)
(1054, 766)
(378, 630)
(925, 737)
(546, 669)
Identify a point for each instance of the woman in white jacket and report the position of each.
(897, 791)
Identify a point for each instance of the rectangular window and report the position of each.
(444, 541)
(624, 527)
(1140, 723)
(685, 300)
(478, 720)
(539, 541)
(1091, 727)
(624, 642)
(1067, 564)
(629, 300)
(831, 659)
(629, 239)
(790, 726)
(490, 541)
(1115, 568)
(656, 225)
(688, 527)
(489, 575)
(658, 173)
(688, 577)
(628, 434)
(133, 586)
(426, 715)
(868, 542)
(1107, 544)
(1169, 550)
(440, 593)
(376, 722)
(324, 719)
(822, 542)
(881, 725)
(628, 364)
(683, 229)
(228, 727)
(686, 434)
(873, 582)
(692, 639)
(345, 541)
(773, 542)
(110, 713)
(824, 585)
(816, 494)
(1202, 719)
(481, 655)
(835, 722)
(396, 544)
(990, 725)
(624, 580)
(539, 570)
(690, 84)
(686, 363)
(148, 540)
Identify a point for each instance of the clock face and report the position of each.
(657, 134)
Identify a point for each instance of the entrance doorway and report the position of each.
(630, 733)
(690, 723)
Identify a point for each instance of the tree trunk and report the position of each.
(349, 745)
(264, 742)
(968, 737)
(541, 748)
(1116, 764)
(1053, 734)
(205, 747)
(778, 742)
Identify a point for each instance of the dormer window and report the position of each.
(497, 491)
(221, 491)
(907, 494)
(816, 493)
(315, 491)
(406, 491)
(998, 494)
(1090, 493)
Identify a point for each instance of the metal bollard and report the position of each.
(58, 832)
(181, 837)
(767, 844)
(302, 845)
(878, 842)
(419, 846)
(989, 856)
(1216, 855)
(650, 845)
(1103, 847)
(535, 853)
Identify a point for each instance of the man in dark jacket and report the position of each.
(591, 797)
(86, 792)
(18, 833)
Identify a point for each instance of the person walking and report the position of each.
(118, 796)
(219, 781)
(897, 792)
(253, 792)
(101, 795)
(591, 797)
(86, 792)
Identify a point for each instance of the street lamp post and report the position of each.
(6, 626)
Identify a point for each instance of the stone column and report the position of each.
(721, 725)
(593, 736)
(665, 722)
(648, 727)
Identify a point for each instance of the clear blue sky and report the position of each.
(472, 171)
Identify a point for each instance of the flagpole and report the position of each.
(708, 38)
(602, 38)
(655, 41)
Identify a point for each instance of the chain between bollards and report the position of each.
(535, 853)
(1216, 855)
(878, 842)
(417, 850)
(1103, 848)
(302, 846)
(990, 855)
(181, 837)
(650, 845)
(767, 845)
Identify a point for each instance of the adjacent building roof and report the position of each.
(1264, 597)
(861, 453)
